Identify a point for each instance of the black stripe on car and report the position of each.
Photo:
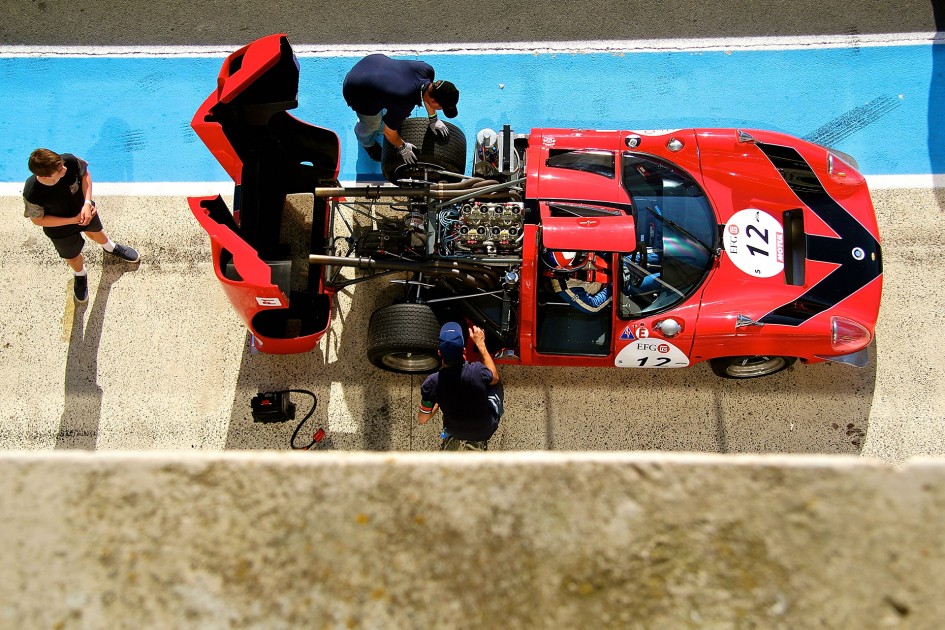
(856, 252)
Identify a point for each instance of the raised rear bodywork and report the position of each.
(269, 154)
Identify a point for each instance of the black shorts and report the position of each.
(67, 239)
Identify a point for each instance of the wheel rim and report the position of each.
(750, 367)
(411, 361)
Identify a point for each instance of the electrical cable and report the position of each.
(318, 435)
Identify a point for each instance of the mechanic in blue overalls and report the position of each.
(469, 393)
(383, 92)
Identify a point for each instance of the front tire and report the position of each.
(404, 338)
(750, 366)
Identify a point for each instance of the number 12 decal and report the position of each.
(660, 362)
(754, 241)
(651, 353)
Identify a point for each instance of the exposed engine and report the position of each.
(460, 238)
(481, 229)
(473, 229)
(485, 225)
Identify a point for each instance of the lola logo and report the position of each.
(588, 222)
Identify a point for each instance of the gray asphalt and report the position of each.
(227, 22)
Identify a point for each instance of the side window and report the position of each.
(598, 162)
(563, 209)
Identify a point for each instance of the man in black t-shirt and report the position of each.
(58, 197)
(469, 394)
(383, 92)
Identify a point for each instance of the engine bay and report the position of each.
(480, 218)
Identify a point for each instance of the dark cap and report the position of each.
(446, 94)
(451, 342)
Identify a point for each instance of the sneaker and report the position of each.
(81, 289)
(125, 253)
(374, 151)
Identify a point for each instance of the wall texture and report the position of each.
(441, 541)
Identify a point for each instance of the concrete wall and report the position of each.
(469, 541)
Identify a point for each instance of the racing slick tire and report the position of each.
(404, 338)
(750, 367)
(448, 153)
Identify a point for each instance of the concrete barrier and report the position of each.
(513, 540)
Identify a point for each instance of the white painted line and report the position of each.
(502, 48)
(143, 189)
(879, 182)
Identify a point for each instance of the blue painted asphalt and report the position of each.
(130, 117)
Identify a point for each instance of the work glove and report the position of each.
(406, 152)
(438, 127)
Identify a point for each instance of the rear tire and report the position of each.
(750, 366)
(404, 338)
(448, 153)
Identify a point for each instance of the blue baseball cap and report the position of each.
(451, 342)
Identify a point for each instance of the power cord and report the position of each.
(276, 406)
(319, 435)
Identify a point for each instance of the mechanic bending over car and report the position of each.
(469, 394)
(58, 197)
(383, 92)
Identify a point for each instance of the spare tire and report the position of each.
(449, 153)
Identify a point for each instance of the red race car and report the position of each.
(749, 249)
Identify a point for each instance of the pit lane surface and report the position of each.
(157, 360)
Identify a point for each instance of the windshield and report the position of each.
(676, 234)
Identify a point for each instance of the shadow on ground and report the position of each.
(82, 410)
